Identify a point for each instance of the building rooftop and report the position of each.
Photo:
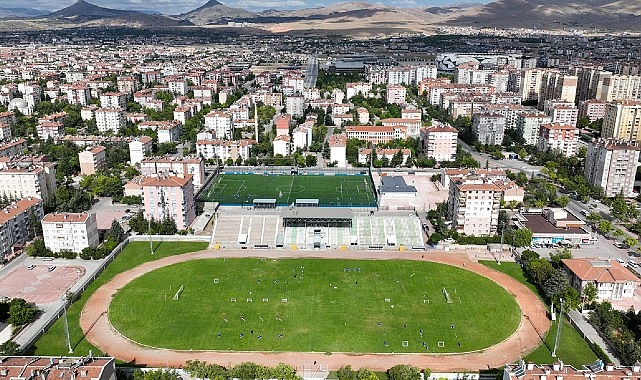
(395, 184)
(538, 224)
(66, 217)
(16, 208)
(166, 180)
(599, 270)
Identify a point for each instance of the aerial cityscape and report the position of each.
(397, 190)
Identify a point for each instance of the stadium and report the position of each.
(316, 208)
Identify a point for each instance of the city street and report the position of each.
(514, 165)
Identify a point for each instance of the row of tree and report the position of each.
(621, 329)
(242, 371)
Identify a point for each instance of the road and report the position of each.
(311, 72)
(513, 165)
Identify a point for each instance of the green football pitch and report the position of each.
(342, 190)
(319, 305)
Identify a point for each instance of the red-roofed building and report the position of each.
(70, 231)
(612, 280)
(440, 142)
(14, 223)
(283, 123)
(338, 150)
(92, 160)
(58, 368)
(376, 134)
(561, 137)
(473, 206)
(169, 196)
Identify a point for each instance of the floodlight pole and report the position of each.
(151, 244)
(67, 325)
(558, 329)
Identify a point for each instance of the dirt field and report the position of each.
(39, 285)
(533, 326)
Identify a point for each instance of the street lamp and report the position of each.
(66, 299)
(151, 244)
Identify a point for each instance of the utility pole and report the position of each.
(558, 329)
(67, 325)
(151, 244)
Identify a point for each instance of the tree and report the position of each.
(589, 293)
(310, 160)
(562, 201)
(594, 218)
(9, 348)
(365, 374)
(539, 270)
(556, 283)
(618, 233)
(116, 232)
(345, 373)
(20, 312)
(521, 237)
(38, 249)
(605, 226)
(556, 257)
(403, 372)
(630, 241)
(529, 255)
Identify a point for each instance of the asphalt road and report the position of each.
(311, 72)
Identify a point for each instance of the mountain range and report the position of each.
(365, 18)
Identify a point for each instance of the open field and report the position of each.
(314, 305)
(573, 349)
(330, 190)
(53, 342)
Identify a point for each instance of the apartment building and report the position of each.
(530, 86)
(221, 123)
(302, 137)
(92, 160)
(50, 129)
(283, 124)
(622, 120)
(70, 231)
(473, 206)
(127, 84)
(338, 150)
(5, 132)
(561, 112)
(489, 128)
(37, 180)
(282, 145)
(440, 141)
(110, 119)
(382, 153)
(15, 223)
(175, 165)
(77, 94)
(396, 94)
(560, 137)
(169, 196)
(556, 85)
(530, 123)
(358, 88)
(592, 109)
(113, 100)
(413, 125)
(612, 165)
(13, 148)
(139, 148)
(362, 114)
(295, 105)
(224, 149)
(376, 134)
(182, 114)
(621, 87)
(59, 367)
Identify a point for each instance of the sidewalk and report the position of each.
(592, 335)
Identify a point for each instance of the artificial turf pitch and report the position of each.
(331, 190)
(320, 305)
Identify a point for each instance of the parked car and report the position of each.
(50, 268)
(30, 267)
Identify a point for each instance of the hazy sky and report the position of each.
(181, 6)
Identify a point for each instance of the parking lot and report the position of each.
(602, 249)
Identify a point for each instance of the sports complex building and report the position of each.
(311, 209)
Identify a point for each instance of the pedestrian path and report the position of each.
(592, 335)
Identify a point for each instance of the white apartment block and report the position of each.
(221, 123)
(182, 114)
(69, 231)
(110, 119)
(530, 123)
(338, 95)
(621, 87)
(168, 132)
(88, 112)
(411, 113)
(36, 180)
(78, 94)
(169, 196)
(282, 145)
(15, 223)
(302, 137)
(489, 128)
(92, 160)
(440, 141)
(177, 86)
(295, 81)
(531, 80)
(376, 134)
(113, 100)
(561, 112)
(139, 148)
(473, 207)
(612, 165)
(338, 150)
(175, 165)
(13, 148)
(224, 149)
(5, 132)
(358, 88)
(362, 114)
(127, 84)
(396, 94)
(295, 105)
(556, 85)
(559, 137)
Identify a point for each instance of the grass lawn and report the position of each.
(572, 347)
(332, 306)
(342, 190)
(53, 342)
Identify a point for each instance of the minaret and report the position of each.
(256, 121)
